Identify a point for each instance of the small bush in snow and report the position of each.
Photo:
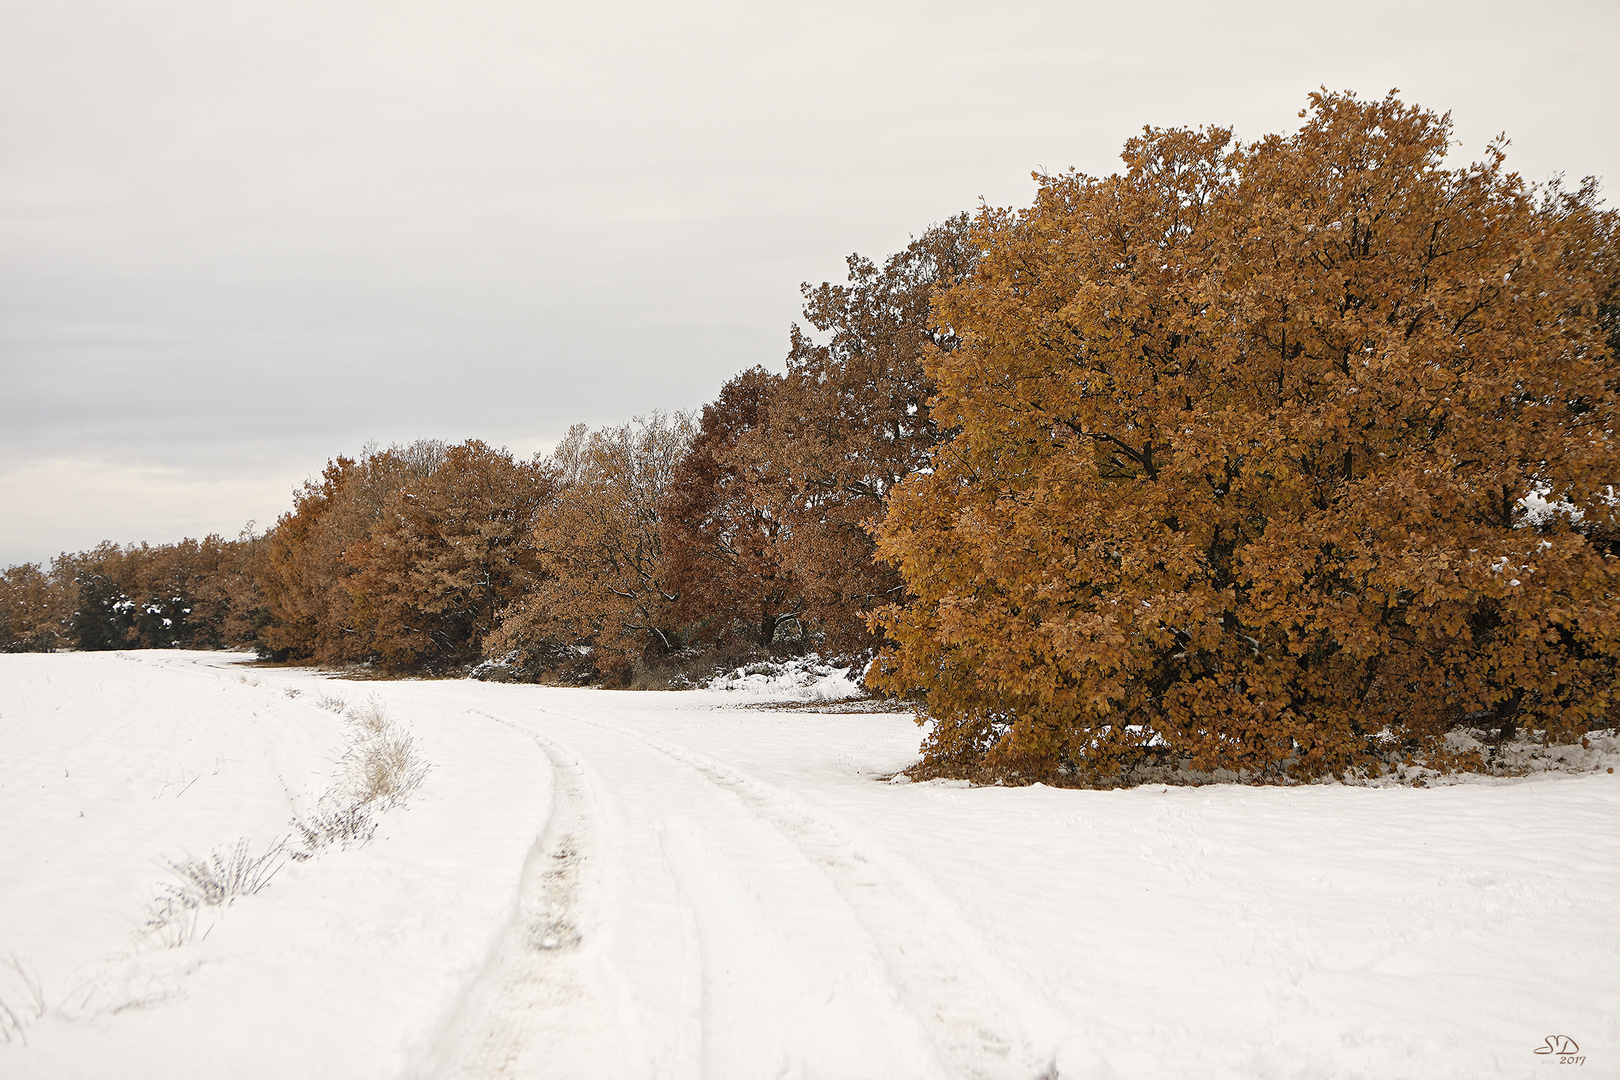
(345, 824)
(380, 770)
(171, 918)
(382, 765)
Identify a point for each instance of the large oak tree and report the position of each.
(1271, 457)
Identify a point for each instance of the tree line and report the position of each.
(629, 555)
(1279, 457)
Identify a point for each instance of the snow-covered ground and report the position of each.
(596, 884)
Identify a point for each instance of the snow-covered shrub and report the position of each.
(804, 677)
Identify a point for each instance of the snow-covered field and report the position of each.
(596, 884)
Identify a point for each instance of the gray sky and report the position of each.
(237, 239)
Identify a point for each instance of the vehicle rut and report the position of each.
(538, 1008)
(959, 1002)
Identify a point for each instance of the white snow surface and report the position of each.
(599, 884)
(806, 678)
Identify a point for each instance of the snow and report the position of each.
(591, 883)
(806, 678)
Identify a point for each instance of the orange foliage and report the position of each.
(406, 557)
(723, 533)
(305, 570)
(605, 589)
(34, 609)
(1252, 441)
(770, 519)
(448, 554)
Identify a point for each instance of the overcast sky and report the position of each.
(239, 239)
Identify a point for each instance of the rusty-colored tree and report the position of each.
(448, 553)
(849, 422)
(181, 595)
(305, 569)
(1268, 460)
(599, 545)
(36, 607)
(722, 532)
(191, 594)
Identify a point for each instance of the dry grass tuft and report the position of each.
(380, 770)
(382, 765)
(26, 1000)
(171, 917)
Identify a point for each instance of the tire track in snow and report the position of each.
(539, 1007)
(954, 987)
